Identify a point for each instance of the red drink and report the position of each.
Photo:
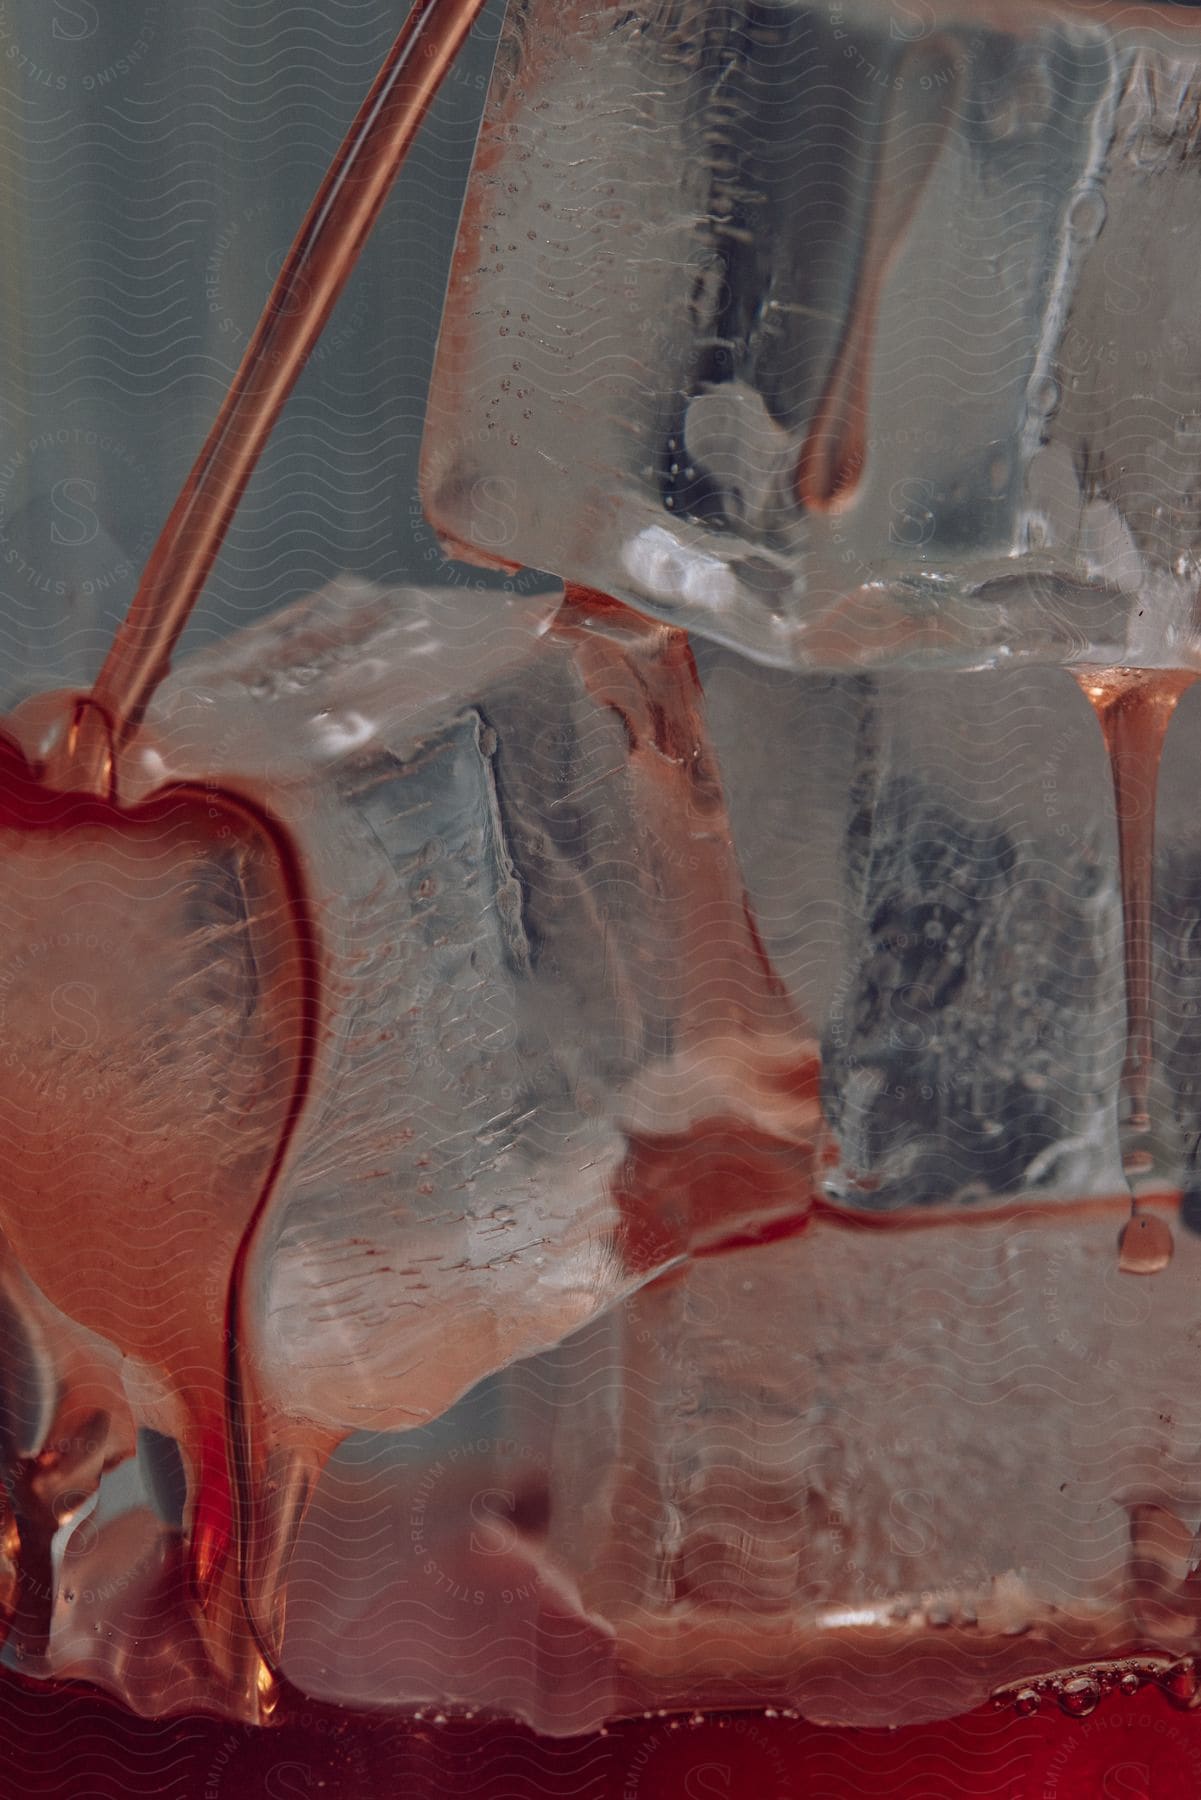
(108, 808)
(1127, 1750)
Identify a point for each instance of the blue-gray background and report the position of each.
(155, 160)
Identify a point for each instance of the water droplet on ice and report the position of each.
(1044, 397)
(1087, 213)
(1145, 1245)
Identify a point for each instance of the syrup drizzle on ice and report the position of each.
(68, 831)
(1134, 708)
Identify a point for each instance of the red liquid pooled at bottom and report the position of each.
(67, 1743)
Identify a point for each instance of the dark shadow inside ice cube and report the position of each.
(164, 1475)
(945, 1055)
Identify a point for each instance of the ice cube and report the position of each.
(873, 1458)
(437, 903)
(871, 1473)
(576, 1365)
(845, 335)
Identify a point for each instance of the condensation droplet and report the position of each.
(1044, 397)
(1087, 213)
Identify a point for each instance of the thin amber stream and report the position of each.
(1134, 708)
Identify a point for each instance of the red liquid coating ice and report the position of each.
(145, 1101)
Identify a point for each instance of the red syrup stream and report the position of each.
(833, 457)
(1134, 708)
(69, 746)
(316, 270)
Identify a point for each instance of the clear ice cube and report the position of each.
(846, 334)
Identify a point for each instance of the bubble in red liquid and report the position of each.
(1080, 1697)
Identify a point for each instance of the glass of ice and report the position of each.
(619, 1140)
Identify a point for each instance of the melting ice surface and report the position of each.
(847, 334)
(608, 1334)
